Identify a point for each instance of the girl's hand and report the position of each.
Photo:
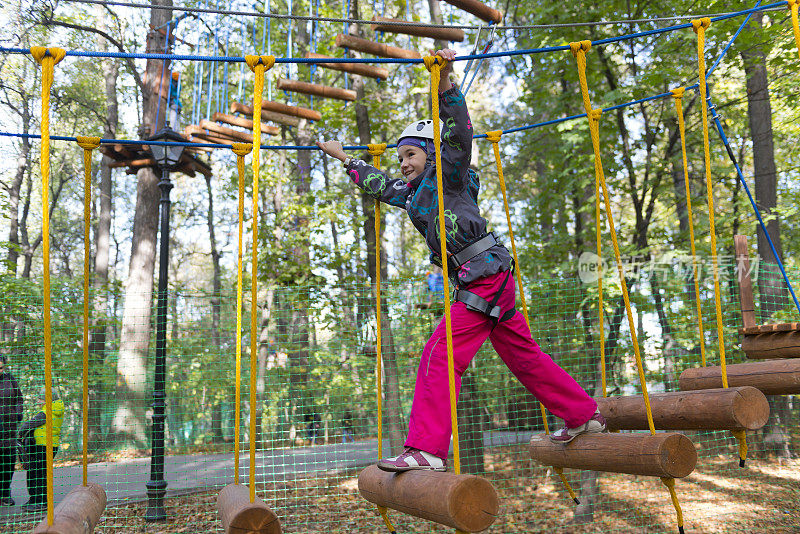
(447, 68)
(333, 149)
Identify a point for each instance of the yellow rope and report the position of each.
(434, 65)
(793, 4)
(494, 138)
(376, 150)
(599, 265)
(47, 58)
(241, 150)
(700, 26)
(87, 144)
(579, 50)
(670, 484)
(259, 65)
(677, 94)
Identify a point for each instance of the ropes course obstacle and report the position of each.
(674, 457)
(239, 508)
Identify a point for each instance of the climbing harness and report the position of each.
(479, 304)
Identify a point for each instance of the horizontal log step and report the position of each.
(464, 502)
(772, 377)
(665, 454)
(361, 69)
(315, 89)
(244, 123)
(479, 9)
(371, 47)
(739, 408)
(290, 117)
(389, 25)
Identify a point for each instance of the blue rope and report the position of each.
(740, 176)
(735, 36)
(183, 57)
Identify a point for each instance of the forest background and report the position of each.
(316, 245)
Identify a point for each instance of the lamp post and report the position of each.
(167, 157)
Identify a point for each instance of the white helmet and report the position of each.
(422, 129)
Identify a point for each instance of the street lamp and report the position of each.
(167, 158)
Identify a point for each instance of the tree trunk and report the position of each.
(99, 328)
(129, 423)
(772, 295)
(216, 309)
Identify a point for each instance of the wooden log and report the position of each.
(772, 377)
(141, 162)
(772, 345)
(240, 516)
(745, 283)
(244, 123)
(281, 118)
(201, 133)
(665, 454)
(386, 24)
(464, 502)
(741, 408)
(224, 131)
(78, 513)
(479, 9)
(769, 328)
(376, 49)
(362, 69)
(316, 89)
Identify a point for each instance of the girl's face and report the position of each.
(412, 161)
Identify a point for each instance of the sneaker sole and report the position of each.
(397, 469)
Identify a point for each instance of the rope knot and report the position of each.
(376, 149)
(253, 61)
(678, 92)
(241, 149)
(595, 114)
(494, 135)
(87, 143)
(578, 46)
(704, 23)
(430, 61)
(794, 3)
(41, 52)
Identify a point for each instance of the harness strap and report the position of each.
(479, 304)
(473, 249)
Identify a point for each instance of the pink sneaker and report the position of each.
(413, 459)
(595, 424)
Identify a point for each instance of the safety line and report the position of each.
(713, 109)
(406, 23)
(510, 53)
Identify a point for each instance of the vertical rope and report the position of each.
(87, 144)
(241, 150)
(793, 5)
(376, 150)
(579, 51)
(259, 65)
(670, 484)
(434, 65)
(699, 27)
(677, 94)
(47, 58)
(494, 137)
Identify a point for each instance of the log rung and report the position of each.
(739, 408)
(665, 454)
(240, 516)
(772, 377)
(78, 513)
(315, 89)
(371, 47)
(464, 502)
(389, 25)
(769, 328)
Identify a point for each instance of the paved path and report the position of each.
(125, 479)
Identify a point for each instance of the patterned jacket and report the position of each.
(463, 221)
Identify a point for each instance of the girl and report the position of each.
(481, 269)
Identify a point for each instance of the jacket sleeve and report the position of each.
(456, 138)
(32, 424)
(377, 184)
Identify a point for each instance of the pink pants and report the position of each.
(429, 425)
